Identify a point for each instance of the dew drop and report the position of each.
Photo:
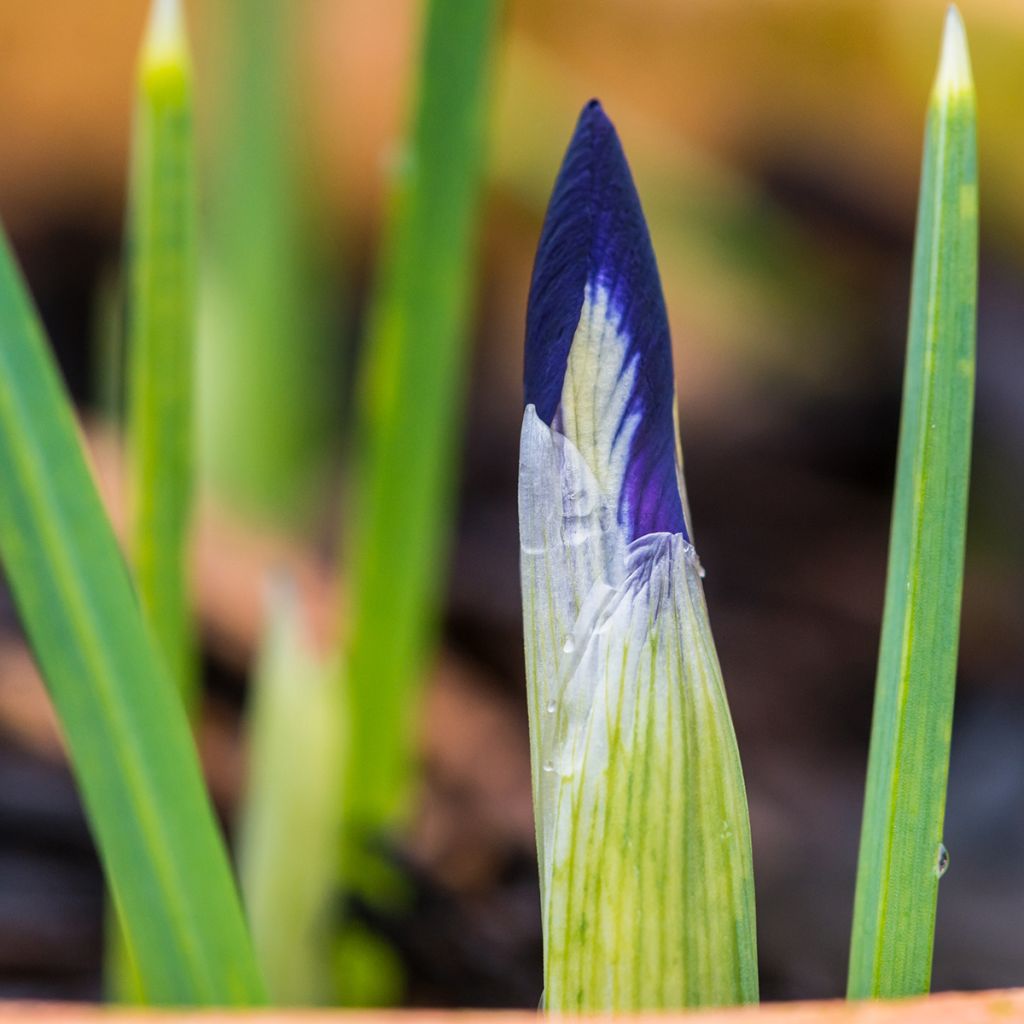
(941, 861)
(569, 646)
(552, 706)
(549, 766)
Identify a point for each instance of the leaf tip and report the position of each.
(165, 41)
(954, 74)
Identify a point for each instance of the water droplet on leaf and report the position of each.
(941, 861)
(552, 706)
(569, 646)
(549, 766)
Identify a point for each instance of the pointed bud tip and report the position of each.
(954, 75)
(594, 122)
(595, 292)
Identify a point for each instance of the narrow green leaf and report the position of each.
(125, 727)
(411, 399)
(162, 337)
(898, 870)
(268, 380)
(288, 840)
(161, 329)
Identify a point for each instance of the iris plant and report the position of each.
(642, 827)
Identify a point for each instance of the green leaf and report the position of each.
(161, 328)
(269, 381)
(288, 840)
(162, 337)
(125, 727)
(898, 869)
(411, 402)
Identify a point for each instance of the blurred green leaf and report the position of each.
(288, 840)
(411, 400)
(899, 866)
(161, 347)
(125, 727)
(269, 382)
(162, 337)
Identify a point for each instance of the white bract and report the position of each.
(643, 836)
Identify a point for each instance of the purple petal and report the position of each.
(595, 236)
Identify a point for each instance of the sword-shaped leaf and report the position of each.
(125, 726)
(901, 853)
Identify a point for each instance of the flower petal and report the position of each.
(596, 306)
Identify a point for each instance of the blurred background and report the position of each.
(776, 147)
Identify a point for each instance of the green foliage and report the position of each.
(269, 389)
(289, 826)
(125, 727)
(897, 877)
(411, 399)
(162, 338)
(161, 329)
